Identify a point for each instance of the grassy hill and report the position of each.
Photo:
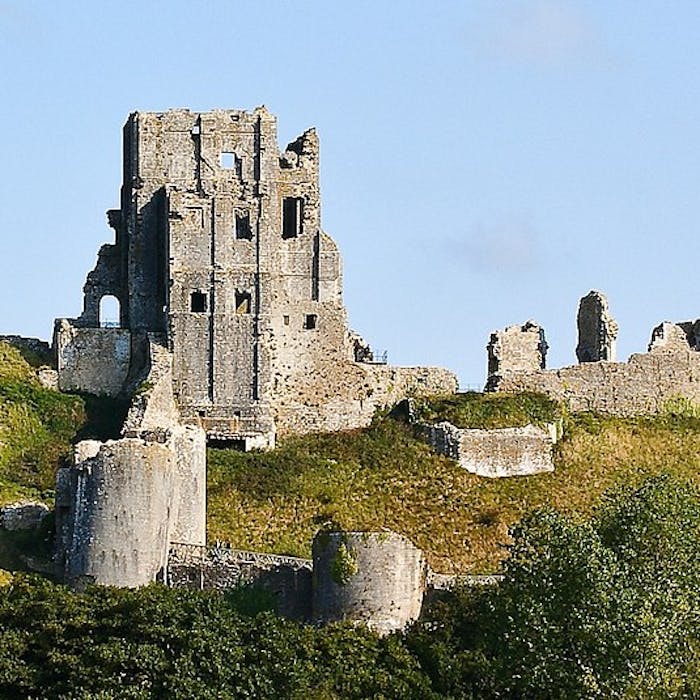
(379, 477)
(383, 477)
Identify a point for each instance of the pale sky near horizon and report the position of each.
(482, 163)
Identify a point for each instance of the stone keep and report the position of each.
(231, 329)
(597, 329)
(219, 249)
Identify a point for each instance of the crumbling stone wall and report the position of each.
(312, 402)
(23, 515)
(670, 337)
(501, 452)
(643, 385)
(288, 579)
(92, 360)
(597, 329)
(516, 349)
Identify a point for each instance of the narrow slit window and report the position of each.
(285, 320)
(310, 321)
(292, 215)
(198, 302)
(243, 231)
(243, 302)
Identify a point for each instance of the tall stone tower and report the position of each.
(220, 253)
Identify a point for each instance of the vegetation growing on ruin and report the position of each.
(38, 426)
(487, 411)
(385, 478)
(378, 478)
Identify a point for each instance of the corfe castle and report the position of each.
(232, 331)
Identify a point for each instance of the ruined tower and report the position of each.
(219, 250)
(597, 329)
(231, 330)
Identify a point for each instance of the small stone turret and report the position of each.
(597, 329)
(377, 579)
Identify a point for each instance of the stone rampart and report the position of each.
(643, 385)
(288, 579)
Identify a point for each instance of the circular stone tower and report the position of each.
(374, 578)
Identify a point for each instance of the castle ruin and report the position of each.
(231, 331)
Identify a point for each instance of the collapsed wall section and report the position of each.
(124, 501)
(501, 452)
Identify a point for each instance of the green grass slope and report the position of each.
(383, 477)
(37, 426)
(379, 477)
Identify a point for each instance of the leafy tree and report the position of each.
(603, 608)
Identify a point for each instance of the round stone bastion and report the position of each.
(373, 578)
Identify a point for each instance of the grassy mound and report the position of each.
(488, 411)
(37, 426)
(383, 477)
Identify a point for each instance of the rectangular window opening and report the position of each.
(292, 215)
(227, 160)
(243, 231)
(310, 321)
(198, 302)
(243, 302)
(285, 320)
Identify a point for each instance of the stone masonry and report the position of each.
(219, 249)
(231, 330)
(597, 329)
(516, 349)
(645, 384)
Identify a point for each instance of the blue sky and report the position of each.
(483, 163)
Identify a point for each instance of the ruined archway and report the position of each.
(110, 312)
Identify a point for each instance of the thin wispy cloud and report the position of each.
(546, 32)
(504, 247)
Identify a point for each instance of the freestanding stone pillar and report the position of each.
(597, 329)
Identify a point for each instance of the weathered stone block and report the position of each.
(92, 360)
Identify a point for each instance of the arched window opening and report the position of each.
(110, 312)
